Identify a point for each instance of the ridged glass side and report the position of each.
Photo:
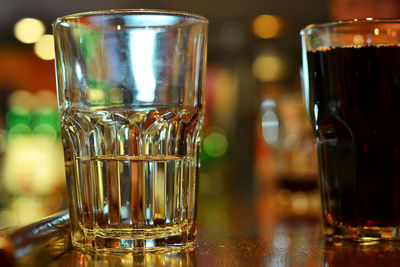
(132, 176)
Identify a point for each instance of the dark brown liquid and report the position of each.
(355, 105)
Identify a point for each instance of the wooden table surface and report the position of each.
(232, 232)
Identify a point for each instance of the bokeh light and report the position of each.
(268, 68)
(48, 100)
(267, 26)
(22, 98)
(44, 47)
(18, 115)
(18, 130)
(29, 30)
(215, 143)
(358, 39)
(300, 203)
(45, 130)
(28, 115)
(270, 121)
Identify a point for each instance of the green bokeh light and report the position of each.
(215, 144)
(18, 130)
(18, 115)
(43, 121)
(45, 130)
(46, 117)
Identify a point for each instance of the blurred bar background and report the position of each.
(257, 147)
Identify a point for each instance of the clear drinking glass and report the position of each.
(351, 75)
(131, 99)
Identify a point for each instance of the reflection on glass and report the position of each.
(187, 257)
(270, 121)
(149, 20)
(142, 52)
(360, 254)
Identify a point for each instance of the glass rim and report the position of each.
(67, 20)
(349, 22)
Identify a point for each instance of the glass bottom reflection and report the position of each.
(179, 257)
(348, 253)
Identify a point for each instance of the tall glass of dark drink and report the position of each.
(351, 81)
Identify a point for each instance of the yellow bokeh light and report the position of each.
(44, 47)
(300, 203)
(29, 30)
(268, 68)
(267, 26)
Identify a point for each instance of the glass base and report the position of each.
(133, 240)
(185, 256)
(125, 246)
(363, 234)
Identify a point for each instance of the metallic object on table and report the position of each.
(36, 244)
